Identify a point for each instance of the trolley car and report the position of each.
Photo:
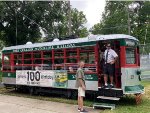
(51, 66)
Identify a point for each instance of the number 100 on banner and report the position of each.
(35, 78)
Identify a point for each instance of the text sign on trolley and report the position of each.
(44, 78)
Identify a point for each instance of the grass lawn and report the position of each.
(145, 73)
(127, 104)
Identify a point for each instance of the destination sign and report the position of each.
(45, 48)
(130, 43)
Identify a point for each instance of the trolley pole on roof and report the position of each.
(16, 25)
(69, 18)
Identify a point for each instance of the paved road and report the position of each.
(1, 85)
(13, 104)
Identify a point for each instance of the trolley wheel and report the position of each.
(74, 94)
(68, 95)
(138, 98)
(31, 90)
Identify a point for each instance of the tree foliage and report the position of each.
(17, 28)
(78, 20)
(142, 29)
(2, 44)
(22, 21)
(117, 15)
(114, 19)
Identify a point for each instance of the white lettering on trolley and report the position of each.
(89, 77)
(66, 46)
(44, 48)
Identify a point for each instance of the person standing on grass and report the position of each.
(80, 84)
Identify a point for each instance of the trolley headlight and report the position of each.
(138, 72)
(132, 76)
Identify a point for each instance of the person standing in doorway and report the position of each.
(110, 57)
(80, 84)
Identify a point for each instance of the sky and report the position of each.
(91, 8)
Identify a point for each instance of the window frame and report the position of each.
(64, 55)
(8, 66)
(135, 55)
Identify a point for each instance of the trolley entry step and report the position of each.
(108, 98)
(104, 105)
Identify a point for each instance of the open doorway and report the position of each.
(115, 45)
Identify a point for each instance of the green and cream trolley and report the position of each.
(52, 65)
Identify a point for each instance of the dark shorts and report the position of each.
(109, 69)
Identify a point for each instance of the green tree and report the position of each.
(22, 21)
(2, 44)
(142, 28)
(18, 29)
(115, 19)
(54, 19)
(78, 20)
(97, 28)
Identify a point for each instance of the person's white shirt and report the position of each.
(111, 55)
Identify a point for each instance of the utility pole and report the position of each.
(69, 18)
(16, 25)
(129, 25)
(145, 40)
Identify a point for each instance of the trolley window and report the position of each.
(17, 58)
(71, 55)
(87, 54)
(7, 59)
(37, 55)
(47, 54)
(59, 56)
(130, 56)
(27, 55)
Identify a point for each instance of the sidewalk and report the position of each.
(13, 104)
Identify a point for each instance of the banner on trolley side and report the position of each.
(44, 78)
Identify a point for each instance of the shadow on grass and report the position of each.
(127, 101)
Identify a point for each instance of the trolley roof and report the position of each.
(72, 41)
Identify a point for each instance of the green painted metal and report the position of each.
(9, 74)
(88, 77)
(136, 88)
(128, 42)
(122, 42)
(73, 45)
